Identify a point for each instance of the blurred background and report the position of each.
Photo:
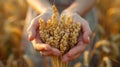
(14, 52)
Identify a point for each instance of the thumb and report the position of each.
(86, 37)
(86, 31)
(32, 30)
(31, 34)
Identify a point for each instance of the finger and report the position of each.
(74, 57)
(32, 29)
(77, 49)
(53, 52)
(73, 52)
(86, 37)
(67, 59)
(44, 53)
(86, 31)
(40, 47)
(44, 47)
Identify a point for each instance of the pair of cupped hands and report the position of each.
(46, 49)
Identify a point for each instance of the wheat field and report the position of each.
(105, 52)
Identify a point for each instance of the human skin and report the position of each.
(76, 10)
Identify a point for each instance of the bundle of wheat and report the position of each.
(59, 33)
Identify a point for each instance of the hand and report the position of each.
(34, 37)
(83, 39)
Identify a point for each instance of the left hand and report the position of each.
(83, 39)
(34, 36)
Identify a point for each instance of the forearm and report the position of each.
(39, 5)
(81, 6)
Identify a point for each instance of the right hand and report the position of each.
(83, 38)
(34, 37)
